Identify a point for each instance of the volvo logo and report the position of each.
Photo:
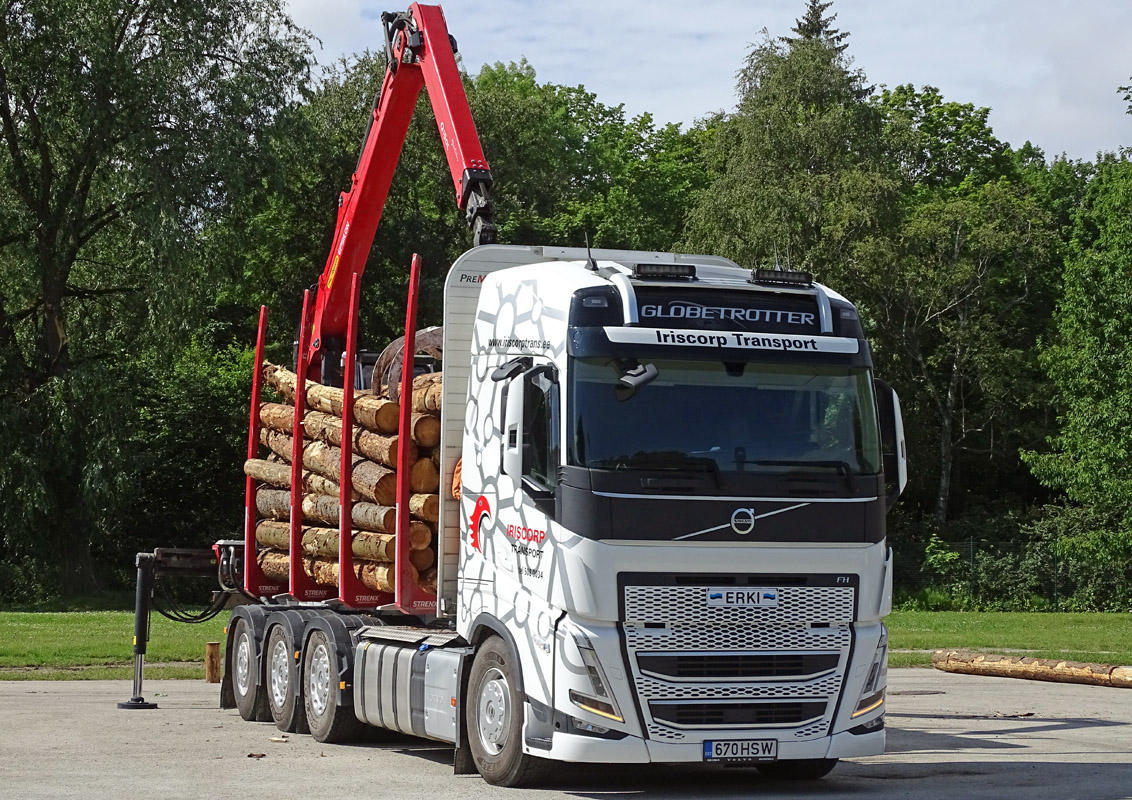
(743, 520)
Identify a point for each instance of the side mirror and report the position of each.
(514, 404)
(894, 450)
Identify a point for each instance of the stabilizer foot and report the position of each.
(137, 702)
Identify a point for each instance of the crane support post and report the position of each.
(362, 205)
(445, 87)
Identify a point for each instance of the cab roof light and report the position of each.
(687, 271)
(793, 277)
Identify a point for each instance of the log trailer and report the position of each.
(669, 543)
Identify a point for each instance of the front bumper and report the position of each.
(634, 750)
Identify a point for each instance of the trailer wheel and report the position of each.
(284, 689)
(494, 716)
(243, 666)
(803, 769)
(328, 721)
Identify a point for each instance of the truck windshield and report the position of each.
(722, 417)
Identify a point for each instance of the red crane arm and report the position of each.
(419, 52)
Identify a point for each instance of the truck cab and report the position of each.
(675, 473)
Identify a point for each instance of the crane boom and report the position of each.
(419, 53)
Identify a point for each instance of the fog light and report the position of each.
(588, 727)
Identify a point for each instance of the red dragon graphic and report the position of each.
(479, 513)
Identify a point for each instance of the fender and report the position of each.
(539, 714)
(478, 633)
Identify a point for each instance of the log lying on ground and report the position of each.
(328, 428)
(376, 413)
(320, 508)
(278, 473)
(1037, 669)
(375, 483)
(376, 577)
(323, 542)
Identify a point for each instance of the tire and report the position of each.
(283, 688)
(802, 769)
(250, 700)
(328, 721)
(494, 718)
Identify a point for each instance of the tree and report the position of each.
(799, 174)
(941, 144)
(567, 166)
(814, 25)
(956, 293)
(125, 127)
(955, 302)
(1089, 360)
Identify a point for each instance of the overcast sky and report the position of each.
(1048, 69)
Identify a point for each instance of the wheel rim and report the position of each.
(280, 673)
(243, 665)
(320, 679)
(493, 712)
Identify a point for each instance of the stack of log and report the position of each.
(373, 482)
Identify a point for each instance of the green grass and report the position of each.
(91, 645)
(1101, 638)
(99, 644)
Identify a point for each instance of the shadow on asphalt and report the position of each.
(911, 741)
(941, 772)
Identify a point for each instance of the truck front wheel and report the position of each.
(494, 717)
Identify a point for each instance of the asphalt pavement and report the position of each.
(957, 737)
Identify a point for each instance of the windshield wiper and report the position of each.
(842, 467)
(708, 464)
(663, 461)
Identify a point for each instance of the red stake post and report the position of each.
(411, 598)
(302, 586)
(255, 582)
(351, 591)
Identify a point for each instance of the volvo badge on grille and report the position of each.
(748, 597)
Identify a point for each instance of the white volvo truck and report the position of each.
(670, 542)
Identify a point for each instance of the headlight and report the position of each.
(601, 702)
(872, 693)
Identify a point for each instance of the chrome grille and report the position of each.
(735, 666)
(663, 690)
(705, 668)
(685, 605)
(734, 714)
(693, 638)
